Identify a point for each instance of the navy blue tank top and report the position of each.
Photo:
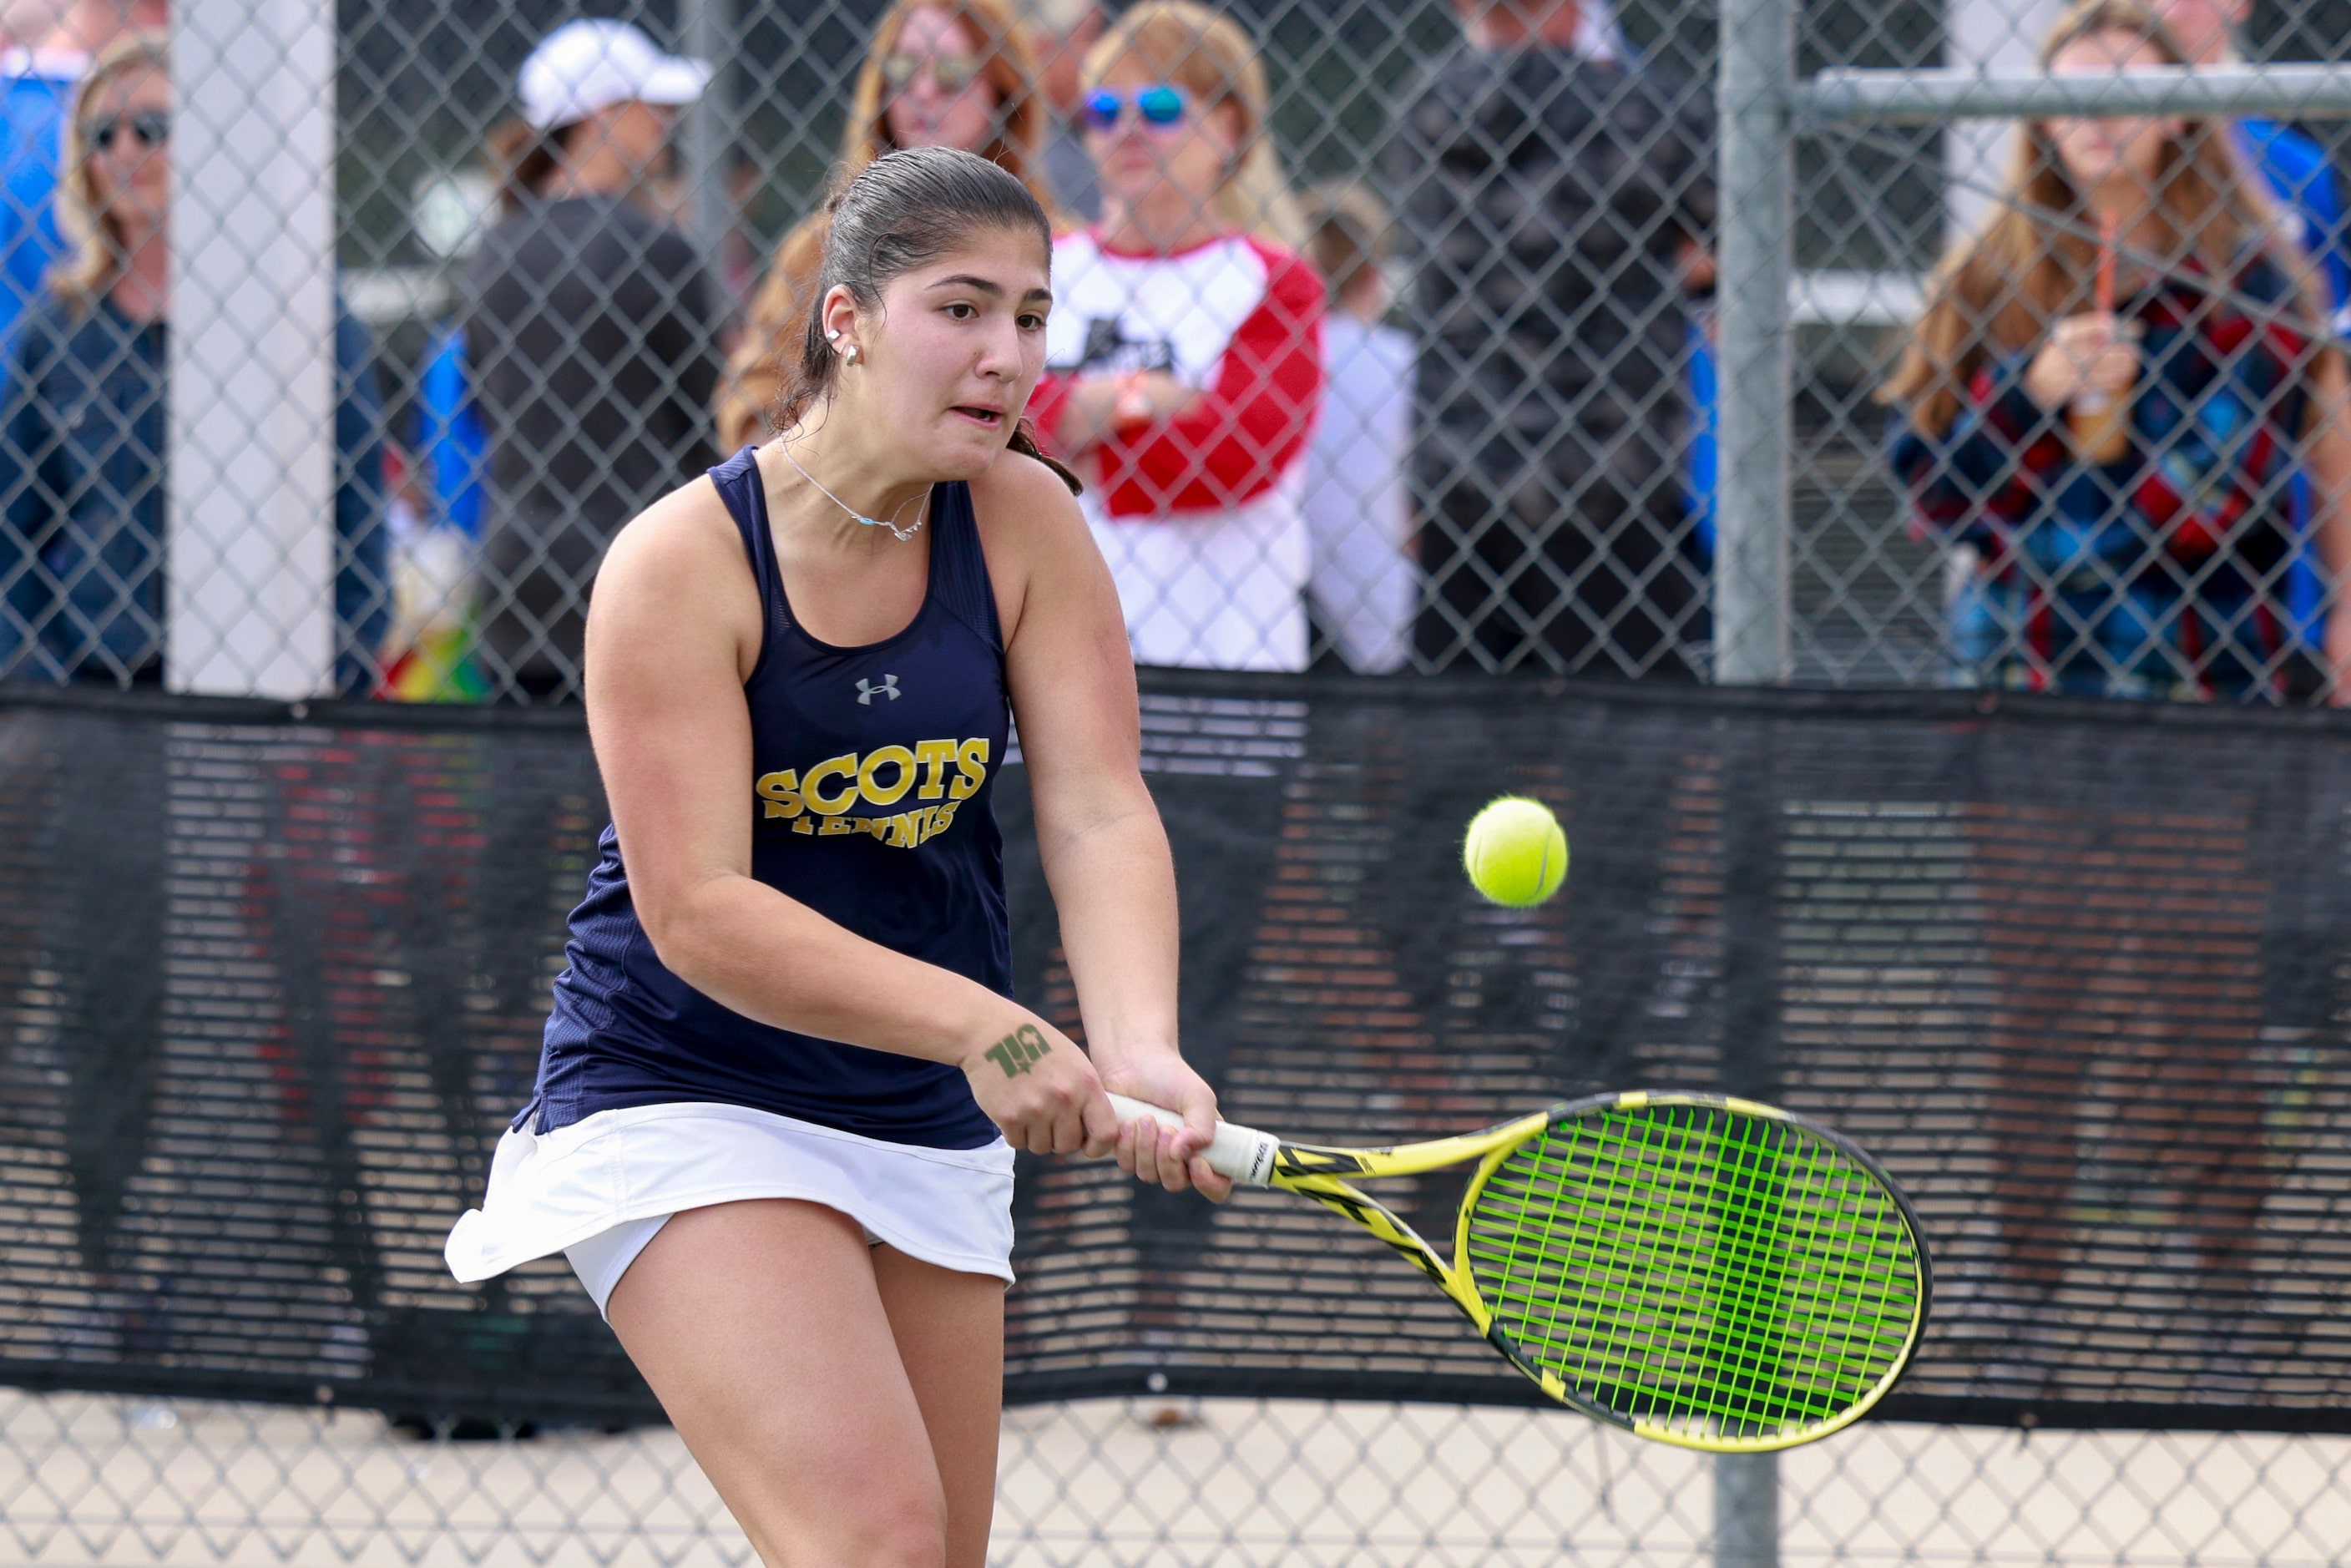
(870, 795)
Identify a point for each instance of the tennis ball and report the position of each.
(1516, 852)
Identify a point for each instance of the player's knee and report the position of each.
(912, 1533)
(882, 1527)
(902, 1526)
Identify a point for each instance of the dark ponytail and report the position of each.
(523, 159)
(902, 211)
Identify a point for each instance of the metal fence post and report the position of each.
(1746, 1510)
(1750, 582)
(1750, 579)
(706, 28)
(250, 535)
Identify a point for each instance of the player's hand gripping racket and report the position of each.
(1708, 1272)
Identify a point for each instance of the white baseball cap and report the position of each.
(595, 63)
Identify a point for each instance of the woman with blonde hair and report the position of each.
(939, 73)
(83, 447)
(2108, 399)
(1184, 355)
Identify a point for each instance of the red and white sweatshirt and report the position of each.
(1199, 516)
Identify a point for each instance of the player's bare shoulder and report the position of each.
(680, 563)
(1022, 501)
(1031, 529)
(688, 526)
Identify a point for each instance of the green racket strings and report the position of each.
(1694, 1266)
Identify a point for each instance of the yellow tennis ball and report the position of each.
(1516, 852)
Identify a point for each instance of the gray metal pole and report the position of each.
(1932, 96)
(705, 29)
(250, 538)
(1750, 576)
(1746, 1510)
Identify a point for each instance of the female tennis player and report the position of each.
(783, 1080)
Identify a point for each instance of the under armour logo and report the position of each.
(867, 691)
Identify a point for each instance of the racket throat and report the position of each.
(1383, 1223)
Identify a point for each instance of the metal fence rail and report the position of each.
(1935, 96)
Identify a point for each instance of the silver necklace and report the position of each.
(890, 522)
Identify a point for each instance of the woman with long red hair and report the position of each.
(2108, 399)
(939, 73)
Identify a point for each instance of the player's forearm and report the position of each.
(773, 959)
(1114, 885)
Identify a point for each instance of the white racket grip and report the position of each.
(1241, 1152)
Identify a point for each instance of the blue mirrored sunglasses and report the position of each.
(1160, 105)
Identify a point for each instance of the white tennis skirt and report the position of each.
(598, 1191)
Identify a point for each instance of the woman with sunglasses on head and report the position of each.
(784, 1075)
(940, 73)
(83, 448)
(1185, 356)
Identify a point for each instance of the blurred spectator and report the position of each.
(1597, 35)
(1061, 32)
(591, 336)
(738, 251)
(1363, 586)
(82, 438)
(940, 73)
(37, 73)
(1183, 356)
(2121, 469)
(2106, 396)
(24, 23)
(2297, 169)
(1556, 207)
(429, 653)
(2301, 176)
(451, 443)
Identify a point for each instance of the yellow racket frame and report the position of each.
(1322, 1173)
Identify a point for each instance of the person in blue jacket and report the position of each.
(2293, 165)
(450, 436)
(2300, 173)
(83, 426)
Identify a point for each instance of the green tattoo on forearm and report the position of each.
(1018, 1052)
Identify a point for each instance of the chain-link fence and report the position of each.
(1476, 428)
(351, 395)
(90, 1481)
(1486, 437)
(1411, 370)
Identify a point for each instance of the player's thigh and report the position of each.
(949, 1329)
(761, 1328)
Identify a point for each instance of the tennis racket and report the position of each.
(1705, 1272)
